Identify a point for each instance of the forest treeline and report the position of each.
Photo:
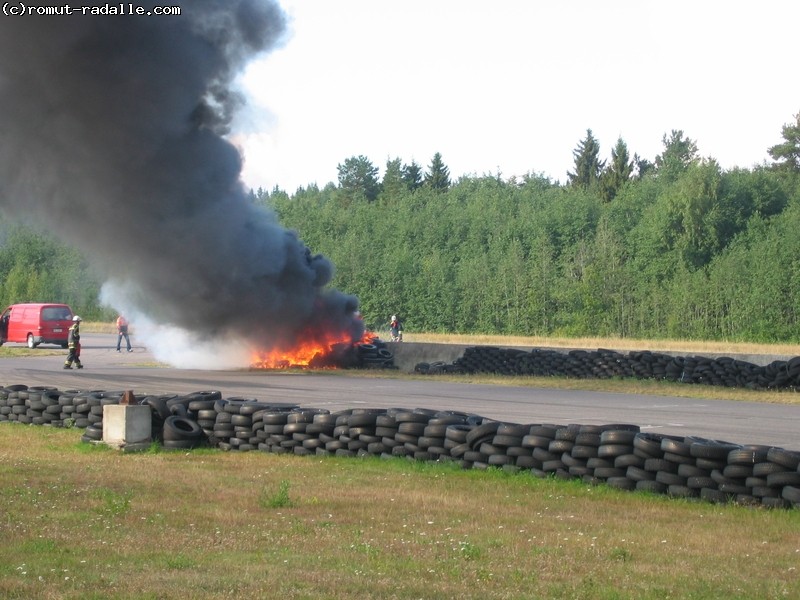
(673, 248)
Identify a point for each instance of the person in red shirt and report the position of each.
(122, 331)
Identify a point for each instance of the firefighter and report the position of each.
(74, 344)
(396, 329)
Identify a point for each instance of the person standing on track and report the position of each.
(122, 331)
(74, 344)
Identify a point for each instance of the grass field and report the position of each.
(80, 521)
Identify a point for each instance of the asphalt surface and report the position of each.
(739, 422)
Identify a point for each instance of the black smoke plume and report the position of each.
(112, 134)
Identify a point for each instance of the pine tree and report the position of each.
(679, 152)
(412, 176)
(438, 177)
(787, 154)
(392, 183)
(587, 166)
(617, 173)
(359, 177)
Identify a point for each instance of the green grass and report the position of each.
(16, 351)
(80, 521)
(278, 499)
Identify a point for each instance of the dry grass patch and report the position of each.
(89, 522)
(619, 344)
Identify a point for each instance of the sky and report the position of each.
(510, 87)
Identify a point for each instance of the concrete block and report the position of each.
(127, 427)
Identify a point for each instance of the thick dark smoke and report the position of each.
(111, 133)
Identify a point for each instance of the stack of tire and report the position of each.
(374, 355)
(618, 455)
(605, 364)
(285, 428)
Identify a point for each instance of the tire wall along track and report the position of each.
(618, 455)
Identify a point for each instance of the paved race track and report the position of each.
(740, 422)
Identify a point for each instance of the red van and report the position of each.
(35, 324)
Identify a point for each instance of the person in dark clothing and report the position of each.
(74, 344)
(4, 326)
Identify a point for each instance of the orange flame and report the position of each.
(306, 352)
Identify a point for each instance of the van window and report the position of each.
(56, 313)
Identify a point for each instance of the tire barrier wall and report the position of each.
(606, 364)
(619, 455)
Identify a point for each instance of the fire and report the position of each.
(331, 352)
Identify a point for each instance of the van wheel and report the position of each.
(64, 346)
(31, 343)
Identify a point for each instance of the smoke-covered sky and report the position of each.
(112, 135)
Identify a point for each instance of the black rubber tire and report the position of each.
(713, 450)
(93, 432)
(745, 456)
(180, 444)
(458, 433)
(618, 436)
(765, 468)
(792, 494)
(738, 471)
(559, 446)
(698, 483)
(536, 441)
(587, 439)
(681, 447)
(365, 419)
(411, 427)
(621, 483)
(649, 444)
(513, 429)
(181, 428)
(584, 452)
(784, 478)
(638, 474)
(623, 461)
(506, 440)
(477, 434)
(659, 464)
(613, 450)
(291, 428)
(608, 473)
(158, 405)
(693, 471)
(385, 420)
(408, 416)
(679, 459)
(710, 464)
(670, 479)
(654, 486)
(785, 458)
